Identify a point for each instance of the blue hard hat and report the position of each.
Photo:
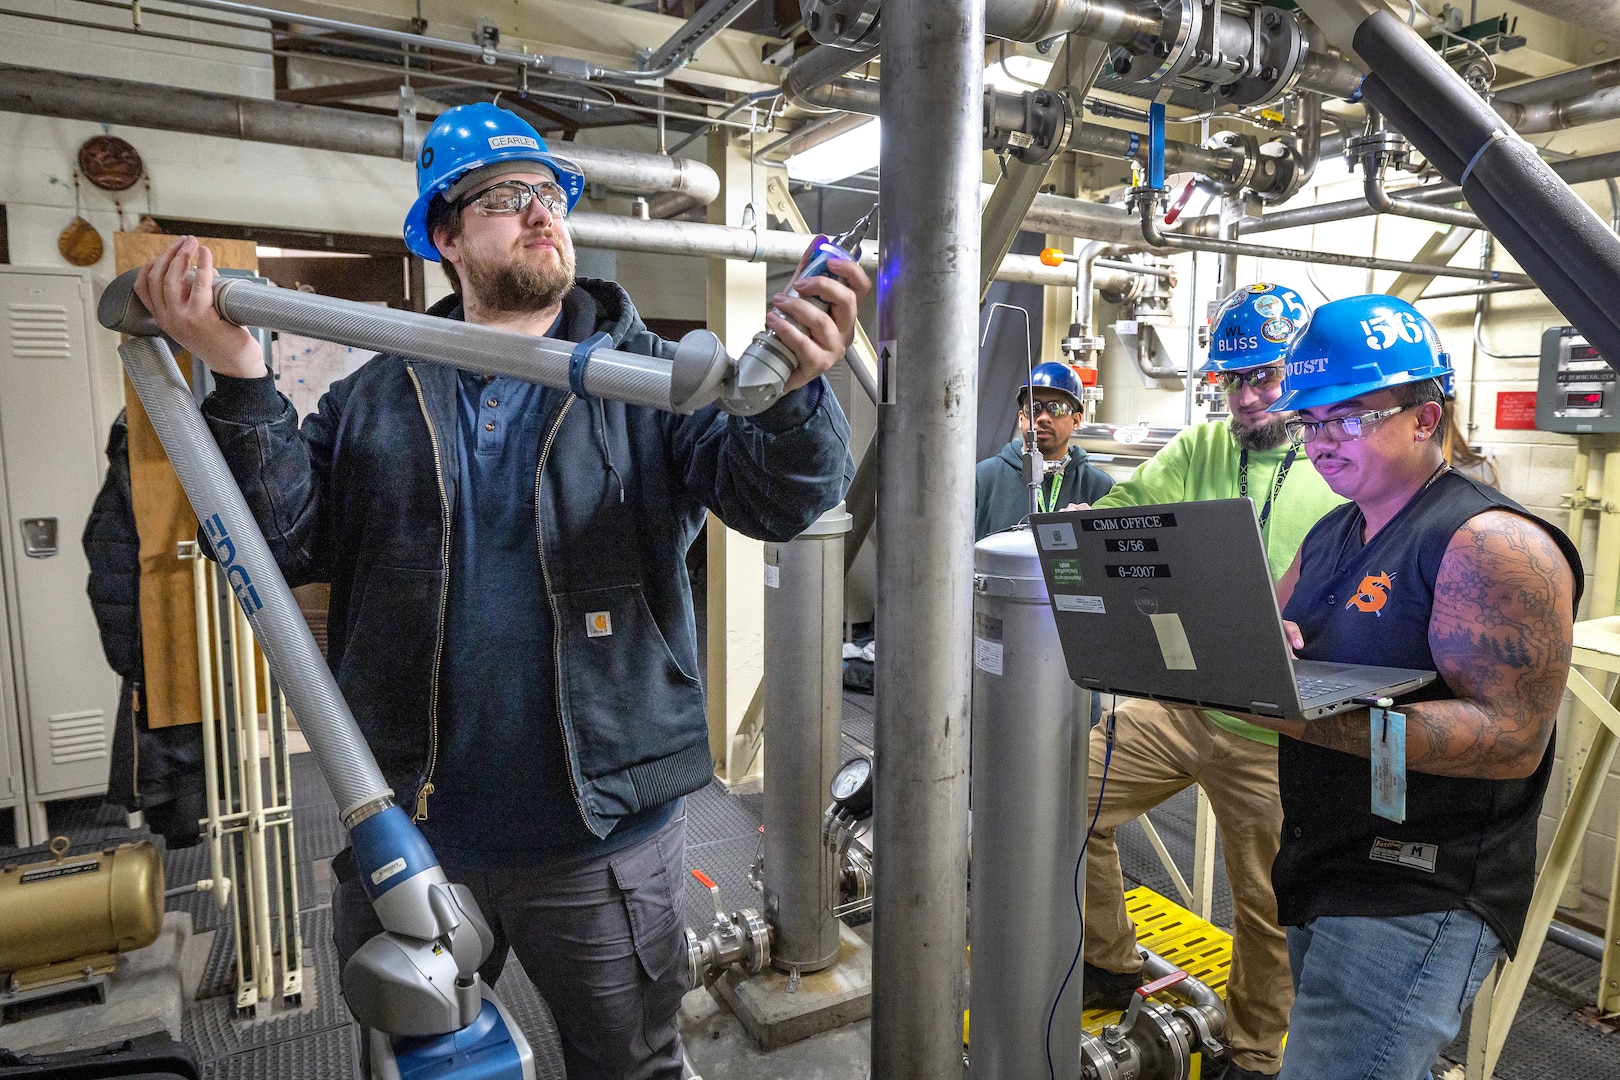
(1357, 345)
(470, 137)
(1254, 325)
(1054, 376)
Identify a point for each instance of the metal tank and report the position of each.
(804, 701)
(1030, 751)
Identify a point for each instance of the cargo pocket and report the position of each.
(648, 878)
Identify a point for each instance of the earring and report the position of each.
(1421, 436)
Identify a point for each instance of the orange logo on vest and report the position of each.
(1373, 594)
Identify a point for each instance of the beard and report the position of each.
(523, 284)
(1266, 436)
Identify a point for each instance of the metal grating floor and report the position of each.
(1550, 1040)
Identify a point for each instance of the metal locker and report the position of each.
(50, 446)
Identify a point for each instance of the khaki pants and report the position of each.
(1158, 752)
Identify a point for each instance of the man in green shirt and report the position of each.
(1001, 495)
(1158, 750)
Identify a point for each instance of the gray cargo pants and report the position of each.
(601, 937)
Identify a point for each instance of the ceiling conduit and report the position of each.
(38, 92)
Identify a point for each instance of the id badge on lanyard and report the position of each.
(1388, 734)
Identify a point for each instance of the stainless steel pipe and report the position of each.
(1103, 20)
(40, 92)
(804, 703)
(928, 304)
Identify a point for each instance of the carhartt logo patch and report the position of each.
(598, 624)
(1372, 594)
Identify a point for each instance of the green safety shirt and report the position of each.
(1204, 462)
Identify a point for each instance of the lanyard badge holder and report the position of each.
(1386, 732)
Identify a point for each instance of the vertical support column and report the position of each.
(736, 597)
(1203, 885)
(928, 306)
(804, 619)
(1577, 738)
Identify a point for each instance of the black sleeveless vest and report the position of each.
(1466, 843)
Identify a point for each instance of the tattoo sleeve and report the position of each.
(1500, 634)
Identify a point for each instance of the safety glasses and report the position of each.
(1057, 410)
(1340, 428)
(1261, 378)
(514, 196)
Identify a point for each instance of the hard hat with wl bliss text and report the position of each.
(471, 137)
(1356, 346)
(1253, 327)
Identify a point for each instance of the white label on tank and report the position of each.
(987, 655)
(1056, 536)
(386, 871)
(1091, 605)
(773, 576)
(1125, 327)
(1173, 641)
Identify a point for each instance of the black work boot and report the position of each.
(1106, 989)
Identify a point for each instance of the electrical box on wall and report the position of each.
(1579, 392)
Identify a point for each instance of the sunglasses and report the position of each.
(1057, 410)
(514, 196)
(1340, 428)
(1261, 378)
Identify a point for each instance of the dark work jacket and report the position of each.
(1001, 499)
(363, 495)
(155, 770)
(1468, 842)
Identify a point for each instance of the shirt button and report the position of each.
(1298, 833)
(489, 426)
(1331, 600)
(492, 403)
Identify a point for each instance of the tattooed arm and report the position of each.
(1500, 634)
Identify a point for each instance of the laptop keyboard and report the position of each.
(1314, 688)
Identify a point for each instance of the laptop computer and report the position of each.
(1175, 603)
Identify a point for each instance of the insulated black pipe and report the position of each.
(1567, 250)
(1546, 268)
(1549, 273)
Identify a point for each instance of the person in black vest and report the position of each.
(1396, 913)
(156, 770)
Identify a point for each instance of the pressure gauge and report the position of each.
(852, 787)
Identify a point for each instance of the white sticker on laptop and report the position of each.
(1173, 641)
(1091, 605)
(1056, 536)
(773, 576)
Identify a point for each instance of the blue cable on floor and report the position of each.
(1079, 901)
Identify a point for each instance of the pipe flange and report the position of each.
(1161, 1041)
(1276, 175)
(1097, 1061)
(1168, 54)
(1248, 150)
(844, 24)
(1277, 59)
(757, 940)
(1049, 121)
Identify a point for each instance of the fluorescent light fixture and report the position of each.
(265, 252)
(852, 151)
(1015, 73)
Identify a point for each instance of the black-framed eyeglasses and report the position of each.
(514, 196)
(1057, 410)
(1261, 378)
(1340, 428)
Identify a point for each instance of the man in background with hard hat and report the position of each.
(1001, 494)
(1157, 750)
(1403, 878)
(511, 619)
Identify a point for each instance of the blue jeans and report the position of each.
(1379, 998)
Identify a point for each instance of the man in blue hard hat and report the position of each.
(1001, 495)
(1160, 750)
(511, 619)
(1409, 836)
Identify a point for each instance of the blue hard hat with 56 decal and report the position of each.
(470, 137)
(1254, 325)
(1358, 345)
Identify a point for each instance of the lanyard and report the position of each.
(1047, 501)
(1276, 487)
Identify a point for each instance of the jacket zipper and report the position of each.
(426, 789)
(556, 624)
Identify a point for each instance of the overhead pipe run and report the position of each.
(93, 98)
